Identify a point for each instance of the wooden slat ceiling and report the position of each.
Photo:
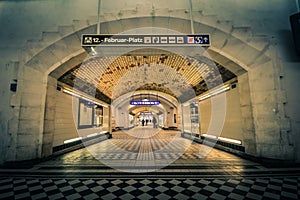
(171, 74)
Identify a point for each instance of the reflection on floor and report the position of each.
(146, 149)
(147, 163)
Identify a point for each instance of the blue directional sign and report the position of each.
(145, 103)
(145, 40)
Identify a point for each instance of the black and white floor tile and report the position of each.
(172, 188)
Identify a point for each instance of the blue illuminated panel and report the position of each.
(143, 103)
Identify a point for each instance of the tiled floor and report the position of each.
(135, 172)
(163, 188)
(161, 148)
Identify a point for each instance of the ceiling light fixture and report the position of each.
(234, 141)
(214, 92)
(83, 97)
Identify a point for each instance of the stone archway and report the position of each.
(166, 103)
(248, 59)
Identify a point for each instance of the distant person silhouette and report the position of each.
(154, 122)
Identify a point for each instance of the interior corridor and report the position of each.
(161, 99)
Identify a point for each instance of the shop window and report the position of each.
(89, 114)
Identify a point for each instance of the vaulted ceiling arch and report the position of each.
(65, 67)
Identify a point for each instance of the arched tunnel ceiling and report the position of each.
(104, 76)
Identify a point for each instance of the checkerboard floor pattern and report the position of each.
(162, 188)
(124, 147)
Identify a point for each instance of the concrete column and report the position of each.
(272, 141)
(165, 119)
(249, 139)
(9, 111)
(126, 118)
(30, 128)
(179, 118)
(169, 117)
(122, 118)
(110, 121)
(49, 120)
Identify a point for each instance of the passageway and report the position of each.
(160, 99)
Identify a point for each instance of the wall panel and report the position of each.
(232, 125)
